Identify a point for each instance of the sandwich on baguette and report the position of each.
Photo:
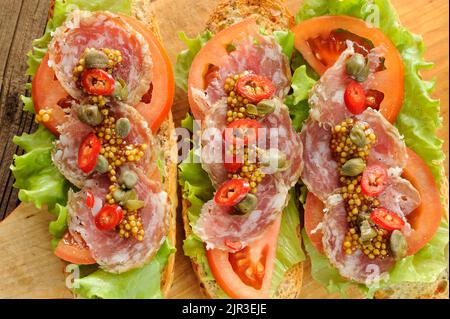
(376, 207)
(239, 201)
(103, 159)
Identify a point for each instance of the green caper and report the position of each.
(128, 179)
(357, 67)
(95, 59)
(275, 159)
(247, 205)
(123, 127)
(124, 195)
(358, 136)
(120, 90)
(251, 109)
(353, 167)
(90, 114)
(398, 244)
(119, 195)
(265, 107)
(102, 164)
(134, 204)
(367, 232)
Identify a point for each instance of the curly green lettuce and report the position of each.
(418, 122)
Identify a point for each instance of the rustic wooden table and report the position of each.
(27, 266)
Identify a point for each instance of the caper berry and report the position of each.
(119, 195)
(367, 232)
(95, 59)
(128, 179)
(247, 205)
(251, 109)
(357, 67)
(353, 167)
(120, 90)
(265, 107)
(123, 127)
(399, 245)
(89, 114)
(102, 164)
(358, 136)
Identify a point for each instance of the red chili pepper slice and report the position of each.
(387, 219)
(97, 82)
(232, 192)
(255, 88)
(355, 98)
(88, 153)
(90, 200)
(109, 217)
(373, 181)
(243, 132)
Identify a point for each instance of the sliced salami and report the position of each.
(101, 30)
(356, 266)
(73, 132)
(111, 252)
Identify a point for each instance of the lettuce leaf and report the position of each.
(141, 283)
(185, 57)
(297, 101)
(419, 118)
(286, 41)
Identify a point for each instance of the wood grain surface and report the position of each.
(28, 268)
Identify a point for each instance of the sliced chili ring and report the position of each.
(243, 132)
(386, 219)
(109, 217)
(97, 82)
(88, 153)
(373, 181)
(255, 88)
(90, 200)
(355, 98)
(232, 192)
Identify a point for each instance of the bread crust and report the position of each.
(166, 138)
(272, 15)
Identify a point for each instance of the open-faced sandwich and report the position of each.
(239, 197)
(375, 209)
(103, 159)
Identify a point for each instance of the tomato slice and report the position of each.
(214, 54)
(247, 274)
(255, 88)
(88, 153)
(355, 98)
(386, 219)
(374, 179)
(97, 82)
(232, 192)
(109, 217)
(90, 200)
(163, 90)
(70, 250)
(242, 132)
(424, 221)
(329, 30)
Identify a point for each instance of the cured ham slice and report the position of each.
(217, 225)
(111, 252)
(73, 132)
(356, 266)
(101, 30)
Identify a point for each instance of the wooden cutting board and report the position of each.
(28, 269)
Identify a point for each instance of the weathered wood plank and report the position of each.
(20, 23)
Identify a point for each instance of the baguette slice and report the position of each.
(142, 11)
(272, 15)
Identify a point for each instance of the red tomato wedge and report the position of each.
(163, 83)
(424, 220)
(70, 250)
(47, 91)
(247, 274)
(213, 55)
(321, 41)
